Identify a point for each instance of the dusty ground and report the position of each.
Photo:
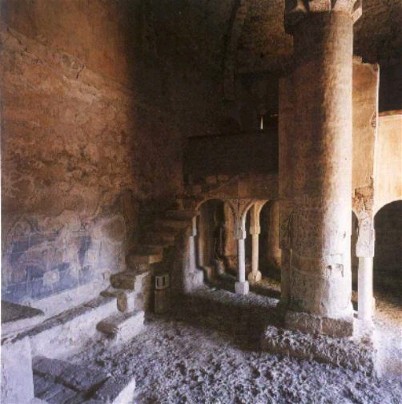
(177, 361)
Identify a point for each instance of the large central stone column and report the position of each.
(318, 274)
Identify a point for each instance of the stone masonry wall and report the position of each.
(90, 140)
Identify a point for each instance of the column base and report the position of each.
(242, 288)
(254, 276)
(364, 329)
(313, 324)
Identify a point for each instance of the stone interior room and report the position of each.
(201, 201)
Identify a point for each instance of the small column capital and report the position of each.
(240, 233)
(194, 226)
(297, 10)
(255, 230)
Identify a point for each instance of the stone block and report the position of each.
(81, 378)
(58, 394)
(123, 280)
(44, 366)
(303, 322)
(242, 288)
(122, 326)
(144, 258)
(116, 391)
(42, 384)
(16, 372)
(312, 324)
(126, 301)
(337, 327)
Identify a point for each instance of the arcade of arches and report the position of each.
(201, 201)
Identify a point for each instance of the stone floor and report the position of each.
(184, 358)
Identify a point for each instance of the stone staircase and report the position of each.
(153, 254)
(132, 287)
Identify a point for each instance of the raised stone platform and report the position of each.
(67, 332)
(344, 352)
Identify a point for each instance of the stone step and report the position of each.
(186, 214)
(122, 326)
(155, 240)
(159, 244)
(150, 256)
(123, 280)
(125, 298)
(159, 236)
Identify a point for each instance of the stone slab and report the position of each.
(82, 378)
(59, 394)
(116, 391)
(77, 377)
(42, 384)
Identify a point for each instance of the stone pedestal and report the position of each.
(242, 288)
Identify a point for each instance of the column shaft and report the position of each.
(365, 289)
(274, 252)
(321, 187)
(242, 286)
(241, 260)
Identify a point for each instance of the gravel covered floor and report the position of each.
(177, 361)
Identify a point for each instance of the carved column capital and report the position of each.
(297, 10)
(255, 212)
(239, 208)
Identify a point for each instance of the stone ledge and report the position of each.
(16, 317)
(342, 352)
